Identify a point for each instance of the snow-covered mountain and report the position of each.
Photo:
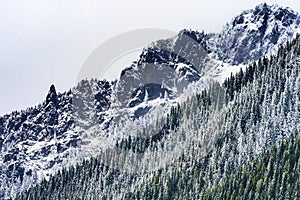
(69, 127)
(255, 33)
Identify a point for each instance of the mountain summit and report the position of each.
(255, 33)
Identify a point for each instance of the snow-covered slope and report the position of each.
(255, 33)
(39, 141)
(70, 127)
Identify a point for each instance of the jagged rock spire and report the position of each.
(52, 95)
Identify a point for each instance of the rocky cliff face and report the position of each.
(255, 33)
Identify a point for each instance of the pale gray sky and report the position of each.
(46, 42)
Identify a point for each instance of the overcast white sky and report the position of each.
(46, 42)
